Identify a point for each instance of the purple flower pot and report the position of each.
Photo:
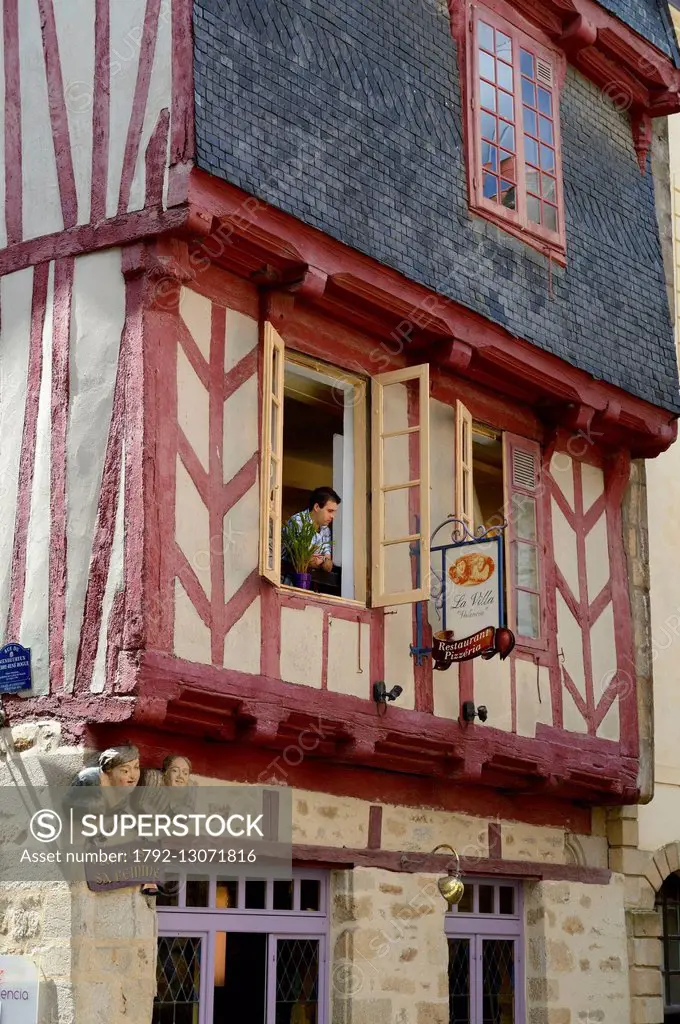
(303, 580)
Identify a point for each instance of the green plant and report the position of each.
(298, 542)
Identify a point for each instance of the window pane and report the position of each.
(227, 893)
(198, 890)
(675, 989)
(486, 36)
(530, 122)
(283, 895)
(508, 165)
(486, 895)
(527, 614)
(531, 151)
(487, 96)
(528, 92)
(550, 217)
(310, 894)
(459, 981)
(256, 894)
(178, 969)
(527, 63)
(524, 516)
(466, 903)
(489, 126)
(547, 159)
(487, 66)
(504, 75)
(297, 980)
(169, 897)
(548, 186)
(534, 209)
(503, 46)
(508, 195)
(498, 981)
(489, 157)
(506, 896)
(490, 186)
(545, 130)
(673, 955)
(544, 101)
(532, 181)
(671, 919)
(527, 566)
(506, 135)
(506, 107)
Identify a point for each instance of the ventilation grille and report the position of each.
(523, 469)
(544, 72)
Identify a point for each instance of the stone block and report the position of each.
(647, 924)
(638, 892)
(559, 1015)
(645, 981)
(653, 875)
(629, 861)
(432, 1013)
(370, 1011)
(646, 1010)
(645, 952)
(623, 832)
(673, 856)
(662, 865)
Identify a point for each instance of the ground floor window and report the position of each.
(668, 902)
(246, 950)
(484, 933)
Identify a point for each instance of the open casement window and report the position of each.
(313, 435)
(464, 484)
(513, 120)
(522, 462)
(272, 455)
(400, 486)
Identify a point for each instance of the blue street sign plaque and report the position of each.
(15, 668)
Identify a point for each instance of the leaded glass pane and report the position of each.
(297, 981)
(498, 981)
(459, 981)
(178, 969)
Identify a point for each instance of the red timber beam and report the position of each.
(272, 249)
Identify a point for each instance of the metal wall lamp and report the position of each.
(450, 885)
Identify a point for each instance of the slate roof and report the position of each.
(348, 116)
(649, 18)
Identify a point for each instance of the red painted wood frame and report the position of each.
(484, 74)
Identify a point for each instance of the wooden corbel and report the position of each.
(641, 125)
(579, 34)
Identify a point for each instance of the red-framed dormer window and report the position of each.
(513, 129)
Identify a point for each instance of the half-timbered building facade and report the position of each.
(412, 252)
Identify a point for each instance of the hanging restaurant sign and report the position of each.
(469, 599)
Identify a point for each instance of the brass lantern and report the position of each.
(450, 886)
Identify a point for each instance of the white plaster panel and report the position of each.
(610, 726)
(75, 32)
(193, 408)
(16, 292)
(160, 95)
(597, 558)
(242, 642)
(572, 719)
(301, 640)
(564, 542)
(398, 661)
(593, 484)
(658, 820)
(492, 687)
(603, 651)
(192, 636)
(34, 632)
(41, 199)
(570, 640)
(240, 428)
(241, 539)
(240, 338)
(192, 530)
(347, 641)
(562, 472)
(97, 319)
(533, 697)
(126, 25)
(445, 692)
(114, 583)
(3, 226)
(196, 311)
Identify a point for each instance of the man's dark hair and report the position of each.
(321, 496)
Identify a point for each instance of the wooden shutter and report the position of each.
(464, 483)
(400, 486)
(526, 596)
(271, 457)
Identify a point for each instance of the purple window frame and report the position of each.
(477, 927)
(205, 923)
